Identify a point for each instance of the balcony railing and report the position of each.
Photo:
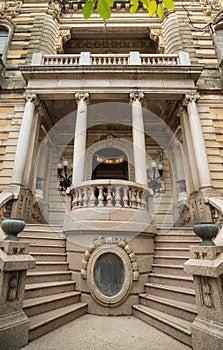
(111, 194)
(132, 58)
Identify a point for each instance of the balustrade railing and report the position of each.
(110, 193)
(132, 58)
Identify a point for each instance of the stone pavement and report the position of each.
(91, 332)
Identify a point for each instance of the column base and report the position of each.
(14, 331)
(207, 335)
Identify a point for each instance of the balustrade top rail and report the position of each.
(132, 58)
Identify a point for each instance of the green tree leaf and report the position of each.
(88, 8)
(103, 9)
(110, 2)
(134, 7)
(146, 3)
(152, 7)
(169, 4)
(159, 10)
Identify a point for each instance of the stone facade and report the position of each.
(135, 104)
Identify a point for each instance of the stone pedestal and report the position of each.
(14, 324)
(206, 266)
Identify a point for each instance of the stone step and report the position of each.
(36, 306)
(47, 276)
(176, 251)
(169, 292)
(182, 281)
(35, 290)
(43, 240)
(176, 243)
(168, 269)
(170, 260)
(45, 228)
(171, 325)
(179, 309)
(50, 248)
(47, 321)
(179, 236)
(174, 230)
(50, 257)
(51, 266)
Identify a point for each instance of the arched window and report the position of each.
(219, 35)
(3, 39)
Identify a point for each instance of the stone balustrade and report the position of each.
(111, 193)
(132, 58)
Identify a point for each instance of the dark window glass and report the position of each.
(109, 274)
(3, 38)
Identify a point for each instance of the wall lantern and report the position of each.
(65, 179)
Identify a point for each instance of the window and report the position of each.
(3, 39)
(219, 34)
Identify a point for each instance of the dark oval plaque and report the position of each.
(109, 274)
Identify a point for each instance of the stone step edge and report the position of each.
(173, 248)
(49, 316)
(52, 263)
(177, 304)
(169, 257)
(47, 254)
(176, 277)
(165, 318)
(34, 273)
(48, 298)
(24, 237)
(33, 286)
(168, 266)
(171, 288)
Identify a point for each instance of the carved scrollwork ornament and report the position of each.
(9, 9)
(136, 96)
(54, 9)
(84, 96)
(193, 97)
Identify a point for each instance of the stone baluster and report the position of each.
(118, 197)
(24, 140)
(109, 196)
(85, 197)
(80, 138)
(92, 198)
(100, 197)
(133, 198)
(125, 197)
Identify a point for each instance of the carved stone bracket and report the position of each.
(54, 9)
(9, 9)
(64, 36)
(116, 241)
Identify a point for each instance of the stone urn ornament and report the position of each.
(206, 231)
(12, 227)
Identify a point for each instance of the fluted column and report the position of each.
(198, 141)
(138, 134)
(23, 140)
(80, 138)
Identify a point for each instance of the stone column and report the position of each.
(80, 137)
(138, 134)
(23, 141)
(198, 141)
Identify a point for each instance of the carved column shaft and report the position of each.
(138, 135)
(23, 141)
(80, 138)
(198, 141)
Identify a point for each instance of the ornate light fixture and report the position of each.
(65, 180)
(155, 182)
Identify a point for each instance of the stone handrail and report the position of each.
(110, 193)
(132, 58)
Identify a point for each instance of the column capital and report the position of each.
(137, 95)
(84, 96)
(30, 97)
(193, 97)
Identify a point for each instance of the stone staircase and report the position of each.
(168, 302)
(50, 296)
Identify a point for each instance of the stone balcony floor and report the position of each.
(91, 332)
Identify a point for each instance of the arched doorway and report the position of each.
(110, 163)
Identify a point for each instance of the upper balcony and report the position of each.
(112, 73)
